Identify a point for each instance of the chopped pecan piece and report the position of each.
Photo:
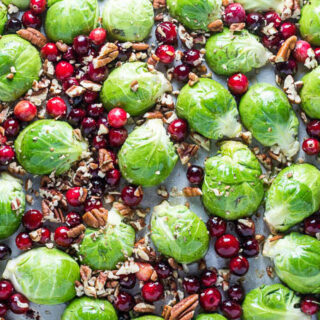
(192, 192)
(34, 36)
(96, 218)
(144, 308)
(183, 310)
(237, 26)
(123, 209)
(286, 49)
(62, 46)
(140, 46)
(76, 231)
(186, 151)
(75, 91)
(158, 4)
(105, 160)
(153, 115)
(216, 26)
(107, 54)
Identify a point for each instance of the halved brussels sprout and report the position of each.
(178, 232)
(21, 4)
(267, 113)
(231, 52)
(195, 14)
(48, 145)
(210, 109)
(293, 196)
(296, 259)
(263, 5)
(3, 17)
(24, 58)
(12, 204)
(89, 309)
(148, 156)
(44, 276)
(67, 19)
(138, 22)
(232, 188)
(273, 302)
(310, 22)
(117, 89)
(210, 316)
(103, 249)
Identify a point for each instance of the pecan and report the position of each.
(225, 3)
(14, 168)
(153, 115)
(166, 312)
(216, 26)
(144, 308)
(192, 192)
(157, 4)
(75, 91)
(34, 36)
(270, 272)
(48, 68)
(275, 238)
(186, 151)
(4, 114)
(85, 273)
(62, 47)
(107, 54)
(134, 86)
(101, 281)
(237, 26)
(123, 209)
(10, 76)
(173, 264)
(105, 160)
(185, 37)
(260, 238)
(36, 235)
(153, 60)
(193, 79)
(140, 46)
(76, 231)
(53, 215)
(96, 218)
(286, 49)
(90, 85)
(184, 309)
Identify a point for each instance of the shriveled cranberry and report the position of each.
(81, 45)
(209, 278)
(195, 174)
(131, 195)
(238, 84)
(30, 20)
(124, 301)
(45, 235)
(98, 36)
(309, 305)
(32, 219)
(73, 219)
(99, 142)
(317, 54)
(6, 289)
(250, 248)
(181, 72)
(152, 291)
(227, 246)
(210, 299)
(3, 309)
(95, 110)
(273, 17)
(50, 51)
(64, 70)
(73, 196)
(255, 22)
(97, 75)
(93, 203)
(113, 177)
(313, 128)
(236, 293)
(178, 130)
(7, 154)
(231, 309)
(272, 42)
(311, 146)
(90, 96)
(117, 137)
(11, 127)
(216, 226)
(23, 241)
(166, 53)
(163, 270)
(5, 251)
(88, 126)
(287, 68)
(288, 29)
(192, 57)
(234, 13)
(166, 32)
(25, 111)
(18, 303)
(245, 228)
(66, 84)
(70, 54)
(128, 281)
(76, 116)
(56, 107)
(239, 266)
(98, 186)
(191, 284)
(38, 6)
(312, 225)
(117, 117)
(301, 50)
(13, 25)
(61, 237)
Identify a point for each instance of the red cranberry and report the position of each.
(18, 303)
(98, 36)
(255, 22)
(3, 140)
(250, 248)
(238, 84)
(95, 110)
(76, 116)
(300, 52)
(166, 53)
(239, 266)
(50, 51)
(288, 29)
(152, 291)
(227, 246)
(178, 130)
(234, 13)
(195, 174)
(117, 137)
(38, 6)
(97, 75)
(210, 299)
(273, 17)
(3, 309)
(45, 235)
(25, 111)
(236, 293)
(81, 45)
(317, 54)
(99, 142)
(66, 84)
(128, 281)
(309, 305)
(90, 96)
(73, 195)
(311, 146)
(312, 225)
(23, 241)
(209, 278)
(5, 251)
(92, 203)
(113, 177)
(6, 289)
(181, 72)
(216, 226)
(191, 284)
(117, 117)
(245, 228)
(69, 54)
(231, 309)
(11, 127)
(313, 128)
(30, 20)
(166, 32)
(64, 70)
(13, 25)
(56, 107)
(32, 219)
(272, 42)
(61, 237)
(124, 302)
(7, 154)
(163, 270)
(88, 125)
(132, 196)
(192, 57)
(73, 219)
(284, 69)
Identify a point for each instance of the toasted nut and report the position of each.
(285, 50)
(192, 192)
(216, 26)
(96, 218)
(34, 36)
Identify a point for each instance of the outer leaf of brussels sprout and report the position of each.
(104, 250)
(137, 24)
(21, 4)
(3, 17)
(195, 14)
(178, 232)
(296, 259)
(210, 316)
(67, 19)
(148, 156)
(229, 52)
(89, 309)
(310, 22)
(48, 145)
(293, 196)
(44, 276)
(117, 91)
(11, 192)
(149, 317)
(263, 5)
(274, 302)
(20, 54)
(267, 113)
(210, 109)
(232, 188)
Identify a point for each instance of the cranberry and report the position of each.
(216, 226)
(81, 45)
(255, 22)
(32, 219)
(210, 299)
(99, 142)
(152, 291)
(6, 289)
(92, 203)
(3, 139)
(3, 309)
(166, 32)
(45, 235)
(124, 302)
(88, 126)
(69, 54)
(250, 248)
(273, 17)
(209, 278)
(181, 72)
(98, 36)
(166, 53)
(117, 137)
(13, 25)
(227, 246)
(234, 13)
(191, 284)
(7, 154)
(311, 146)
(163, 270)
(76, 116)
(18, 303)
(64, 70)
(238, 84)
(95, 110)
(97, 75)
(309, 305)
(73, 196)
(50, 51)
(25, 111)
(131, 195)
(231, 309)
(272, 42)
(56, 107)
(239, 266)
(66, 84)
(192, 57)
(117, 117)
(195, 174)
(128, 281)
(61, 237)
(178, 130)
(38, 6)
(5, 251)
(236, 293)
(245, 228)
(312, 225)
(11, 127)
(90, 96)
(317, 54)
(23, 241)
(288, 29)
(313, 128)
(300, 52)
(287, 68)
(30, 20)
(113, 177)
(98, 186)
(73, 219)
(103, 121)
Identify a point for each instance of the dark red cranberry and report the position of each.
(124, 52)
(69, 54)
(313, 128)
(191, 284)
(128, 281)
(117, 137)
(312, 225)
(113, 177)
(250, 248)
(97, 75)
(76, 116)
(23, 241)
(32, 219)
(210, 299)
(5, 251)
(166, 53)
(166, 32)
(98, 186)
(192, 57)
(3, 309)
(317, 54)
(255, 22)
(25, 111)
(98, 36)
(309, 305)
(245, 228)
(56, 107)
(13, 25)
(216, 226)
(6, 289)
(239, 266)
(311, 146)
(38, 6)
(195, 174)
(99, 142)
(95, 110)
(61, 237)
(234, 13)
(30, 20)
(64, 70)
(131, 195)
(18, 303)
(66, 84)
(231, 309)
(73, 196)
(92, 203)
(273, 17)
(90, 96)
(11, 127)
(227, 246)
(287, 68)
(152, 291)
(163, 270)
(117, 117)
(73, 219)
(236, 293)
(81, 45)
(7, 154)
(3, 139)
(124, 302)
(178, 130)
(288, 29)
(238, 84)
(272, 42)
(88, 126)
(45, 235)
(209, 278)
(301, 50)
(181, 72)
(50, 51)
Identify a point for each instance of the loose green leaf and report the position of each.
(21, 4)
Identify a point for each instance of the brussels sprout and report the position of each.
(148, 156)
(195, 14)
(263, 5)
(48, 145)
(25, 59)
(210, 316)
(293, 196)
(89, 309)
(274, 302)
(21, 4)
(267, 113)
(117, 91)
(310, 22)
(67, 19)
(178, 232)
(12, 204)
(137, 24)
(296, 259)
(232, 188)
(210, 109)
(229, 52)
(3, 17)
(44, 276)
(104, 249)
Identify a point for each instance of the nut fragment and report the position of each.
(144, 308)
(107, 54)
(76, 231)
(96, 218)
(285, 50)
(237, 26)
(157, 4)
(186, 151)
(140, 46)
(34, 36)
(216, 26)
(192, 192)
(105, 160)
(184, 309)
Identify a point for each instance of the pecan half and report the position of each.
(285, 50)
(216, 26)
(184, 310)
(34, 36)
(105, 160)
(107, 54)
(144, 308)
(140, 46)
(76, 231)
(123, 209)
(96, 218)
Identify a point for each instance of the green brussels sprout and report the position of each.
(179, 233)
(89, 309)
(210, 316)
(148, 156)
(263, 5)
(104, 249)
(3, 17)
(210, 109)
(296, 259)
(117, 91)
(267, 113)
(21, 4)
(67, 19)
(44, 276)
(12, 204)
(195, 14)
(48, 145)
(137, 24)
(273, 302)
(293, 196)
(310, 22)
(232, 188)
(229, 52)
(19, 54)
